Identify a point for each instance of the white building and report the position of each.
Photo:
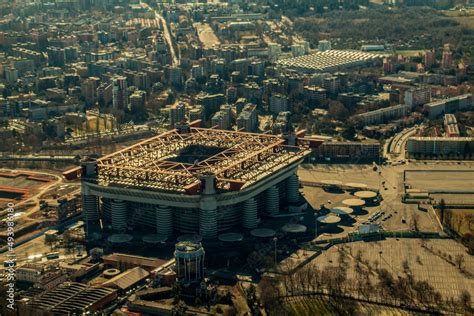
(177, 113)
(418, 96)
(385, 114)
(440, 147)
(278, 103)
(324, 45)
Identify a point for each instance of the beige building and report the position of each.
(355, 151)
(385, 114)
(42, 276)
(440, 147)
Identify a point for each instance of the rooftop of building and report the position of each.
(386, 109)
(127, 279)
(70, 297)
(134, 260)
(176, 161)
(443, 101)
(442, 139)
(322, 61)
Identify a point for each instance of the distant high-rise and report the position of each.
(387, 65)
(138, 100)
(419, 96)
(248, 119)
(119, 93)
(177, 113)
(175, 76)
(197, 71)
(274, 51)
(196, 114)
(447, 62)
(429, 58)
(278, 103)
(222, 119)
(298, 50)
(11, 74)
(332, 84)
(210, 103)
(56, 57)
(324, 45)
(70, 54)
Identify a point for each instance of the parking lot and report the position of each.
(428, 263)
(388, 179)
(455, 181)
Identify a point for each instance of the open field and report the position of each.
(430, 263)
(410, 53)
(322, 305)
(344, 173)
(403, 215)
(446, 178)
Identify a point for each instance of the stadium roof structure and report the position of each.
(175, 161)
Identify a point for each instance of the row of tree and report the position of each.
(370, 283)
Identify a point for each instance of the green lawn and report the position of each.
(308, 306)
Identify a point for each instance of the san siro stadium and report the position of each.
(192, 180)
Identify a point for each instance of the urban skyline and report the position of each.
(270, 157)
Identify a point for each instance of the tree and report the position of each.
(337, 110)
(251, 296)
(179, 309)
(442, 210)
(176, 293)
(49, 130)
(7, 91)
(465, 300)
(459, 261)
(406, 266)
(269, 295)
(386, 282)
(414, 223)
(468, 240)
(349, 132)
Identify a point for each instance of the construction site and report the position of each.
(192, 181)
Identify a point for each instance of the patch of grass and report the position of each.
(308, 306)
(410, 53)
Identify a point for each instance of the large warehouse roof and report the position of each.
(329, 60)
(72, 297)
(174, 161)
